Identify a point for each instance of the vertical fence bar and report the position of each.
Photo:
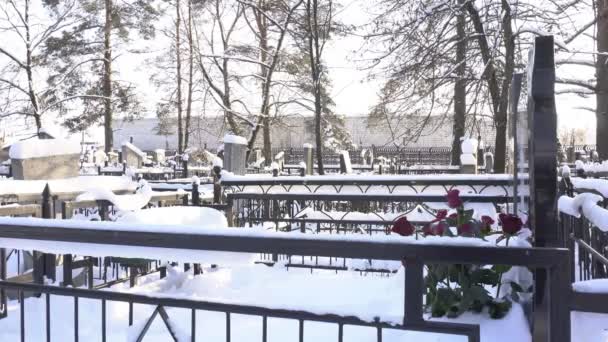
(75, 319)
(193, 326)
(264, 329)
(48, 317)
(3, 301)
(103, 320)
(228, 327)
(22, 315)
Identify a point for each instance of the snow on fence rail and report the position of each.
(187, 243)
(476, 184)
(583, 229)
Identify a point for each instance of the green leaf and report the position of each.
(516, 287)
(485, 276)
(501, 268)
(498, 310)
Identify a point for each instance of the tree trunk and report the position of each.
(313, 53)
(265, 111)
(178, 60)
(107, 77)
(500, 144)
(460, 93)
(28, 68)
(601, 111)
(190, 77)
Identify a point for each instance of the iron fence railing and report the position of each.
(550, 325)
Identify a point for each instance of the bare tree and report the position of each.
(267, 15)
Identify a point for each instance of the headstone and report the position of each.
(489, 162)
(159, 156)
(100, 157)
(44, 159)
(133, 156)
(345, 165)
(468, 159)
(308, 158)
(235, 154)
(113, 158)
(279, 158)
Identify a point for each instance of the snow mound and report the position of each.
(196, 216)
(204, 218)
(38, 148)
(130, 202)
(234, 139)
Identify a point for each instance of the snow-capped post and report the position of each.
(217, 185)
(185, 159)
(468, 161)
(235, 154)
(551, 316)
(46, 262)
(196, 199)
(275, 169)
(308, 158)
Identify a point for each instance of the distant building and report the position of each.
(291, 131)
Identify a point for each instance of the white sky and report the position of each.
(352, 92)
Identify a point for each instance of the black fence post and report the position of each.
(542, 124)
(217, 185)
(196, 199)
(47, 261)
(3, 300)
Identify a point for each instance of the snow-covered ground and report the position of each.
(345, 293)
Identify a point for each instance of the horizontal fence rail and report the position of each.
(555, 323)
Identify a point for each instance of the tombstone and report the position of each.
(100, 158)
(235, 154)
(44, 159)
(113, 158)
(345, 165)
(133, 156)
(279, 158)
(489, 162)
(468, 159)
(367, 156)
(308, 158)
(256, 158)
(158, 156)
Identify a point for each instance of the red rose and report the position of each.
(440, 228)
(465, 229)
(487, 220)
(511, 224)
(441, 214)
(403, 227)
(454, 200)
(427, 230)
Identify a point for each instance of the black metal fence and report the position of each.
(492, 185)
(552, 325)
